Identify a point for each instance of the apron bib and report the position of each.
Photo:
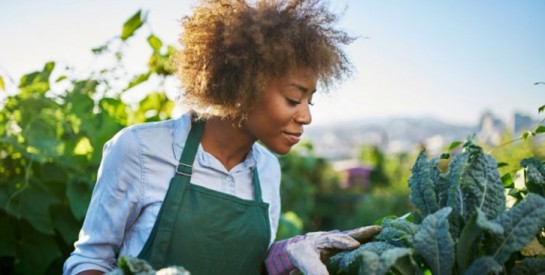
(206, 231)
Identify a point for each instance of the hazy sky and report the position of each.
(445, 59)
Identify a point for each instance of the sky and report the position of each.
(449, 60)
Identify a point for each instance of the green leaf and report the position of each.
(2, 84)
(521, 223)
(470, 234)
(369, 263)
(434, 243)
(540, 129)
(351, 261)
(35, 251)
(535, 175)
(527, 134)
(66, 225)
(502, 164)
(507, 180)
(134, 23)
(398, 260)
(398, 232)
(453, 145)
(423, 194)
(61, 78)
(484, 265)
(541, 109)
(33, 204)
(529, 266)
(137, 80)
(481, 186)
(155, 43)
(8, 240)
(79, 195)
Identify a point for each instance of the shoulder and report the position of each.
(160, 132)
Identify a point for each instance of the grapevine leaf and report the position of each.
(36, 251)
(434, 243)
(65, 223)
(8, 239)
(520, 224)
(422, 187)
(78, 193)
(540, 129)
(132, 24)
(481, 186)
(484, 265)
(471, 232)
(33, 204)
(530, 266)
(541, 109)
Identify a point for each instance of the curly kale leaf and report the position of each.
(398, 232)
(376, 258)
(530, 266)
(520, 223)
(423, 194)
(535, 175)
(434, 243)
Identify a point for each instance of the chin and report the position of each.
(280, 151)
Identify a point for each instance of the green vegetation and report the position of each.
(460, 223)
(53, 128)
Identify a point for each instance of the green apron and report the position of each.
(206, 231)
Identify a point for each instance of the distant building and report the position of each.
(491, 129)
(354, 174)
(523, 123)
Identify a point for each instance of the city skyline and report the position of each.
(449, 60)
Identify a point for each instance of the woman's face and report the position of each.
(278, 117)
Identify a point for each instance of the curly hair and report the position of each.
(230, 49)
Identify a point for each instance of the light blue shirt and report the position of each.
(137, 166)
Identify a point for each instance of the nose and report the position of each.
(303, 116)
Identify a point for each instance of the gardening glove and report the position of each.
(307, 252)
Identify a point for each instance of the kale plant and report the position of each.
(460, 223)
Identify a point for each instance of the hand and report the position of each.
(308, 252)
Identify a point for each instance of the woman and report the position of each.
(199, 191)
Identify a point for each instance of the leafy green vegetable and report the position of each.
(434, 243)
(461, 223)
(134, 266)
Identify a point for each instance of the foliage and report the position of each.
(460, 223)
(51, 134)
(134, 266)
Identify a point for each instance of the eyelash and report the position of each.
(295, 102)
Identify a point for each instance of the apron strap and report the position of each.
(171, 205)
(185, 167)
(257, 185)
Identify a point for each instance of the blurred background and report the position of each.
(427, 75)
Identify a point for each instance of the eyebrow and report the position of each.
(302, 88)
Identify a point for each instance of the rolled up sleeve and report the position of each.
(113, 208)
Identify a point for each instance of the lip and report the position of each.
(293, 138)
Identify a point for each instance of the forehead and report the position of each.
(302, 77)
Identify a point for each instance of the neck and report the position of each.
(226, 141)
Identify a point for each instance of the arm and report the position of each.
(113, 207)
